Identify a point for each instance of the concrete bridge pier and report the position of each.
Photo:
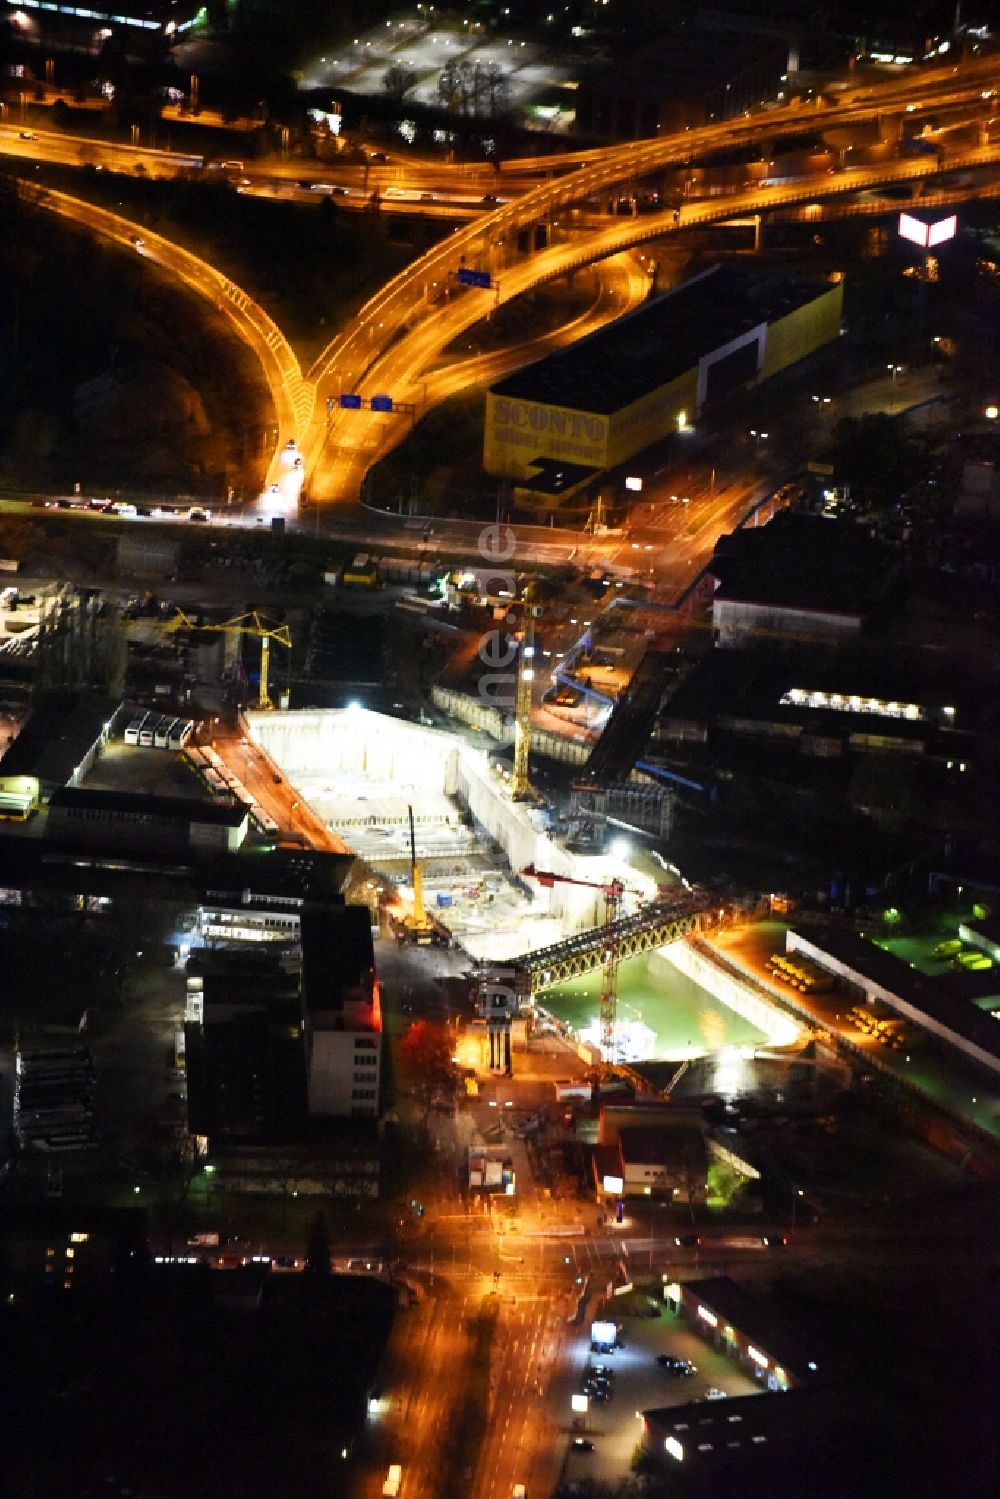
(499, 1035)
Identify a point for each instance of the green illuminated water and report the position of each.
(680, 1012)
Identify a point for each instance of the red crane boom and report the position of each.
(612, 890)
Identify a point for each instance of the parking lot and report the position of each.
(638, 1383)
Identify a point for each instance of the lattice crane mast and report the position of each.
(521, 789)
(613, 891)
(251, 623)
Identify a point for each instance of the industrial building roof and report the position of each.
(853, 692)
(220, 877)
(758, 1325)
(804, 562)
(224, 993)
(659, 340)
(57, 737)
(667, 1145)
(338, 959)
(960, 1016)
(134, 804)
(822, 1442)
(246, 1079)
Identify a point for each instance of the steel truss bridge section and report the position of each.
(653, 927)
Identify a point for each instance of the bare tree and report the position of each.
(455, 87)
(397, 81)
(690, 1173)
(481, 89)
(494, 91)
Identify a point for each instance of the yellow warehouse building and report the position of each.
(560, 422)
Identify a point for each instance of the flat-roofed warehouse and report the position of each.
(595, 404)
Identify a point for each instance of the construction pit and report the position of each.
(362, 772)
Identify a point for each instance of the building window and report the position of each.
(362, 1092)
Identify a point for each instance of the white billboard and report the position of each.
(942, 230)
(913, 229)
(927, 235)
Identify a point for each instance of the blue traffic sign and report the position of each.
(350, 402)
(481, 279)
(381, 403)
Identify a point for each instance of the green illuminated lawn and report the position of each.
(682, 1014)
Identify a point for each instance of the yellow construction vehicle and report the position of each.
(419, 927)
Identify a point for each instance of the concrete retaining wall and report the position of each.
(779, 1028)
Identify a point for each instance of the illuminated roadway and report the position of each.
(400, 333)
(622, 285)
(401, 330)
(432, 1388)
(408, 362)
(931, 88)
(339, 455)
(292, 397)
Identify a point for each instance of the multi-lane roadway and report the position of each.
(400, 333)
(517, 1419)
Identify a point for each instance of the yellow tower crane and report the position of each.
(251, 623)
(521, 789)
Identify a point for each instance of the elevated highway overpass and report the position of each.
(291, 394)
(622, 286)
(402, 333)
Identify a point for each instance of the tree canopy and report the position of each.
(425, 1057)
